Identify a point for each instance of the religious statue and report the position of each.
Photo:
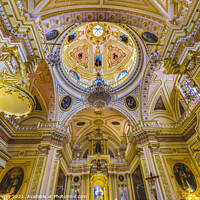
(76, 194)
(98, 148)
(98, 62)
(122, 193)
(98, 164)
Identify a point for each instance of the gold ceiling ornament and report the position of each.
(103, 29)
(172, 67)
(15, 98)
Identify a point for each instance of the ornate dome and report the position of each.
(105, 45)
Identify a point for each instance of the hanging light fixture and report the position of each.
(99, 95)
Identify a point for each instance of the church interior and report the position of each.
(100, 99)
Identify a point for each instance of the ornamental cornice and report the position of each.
(183, 34)
(19, 29)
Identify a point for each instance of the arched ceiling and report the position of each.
(111, 122)
(160, 9)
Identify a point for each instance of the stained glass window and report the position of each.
(74, 74)
(190, 89)
(97, 31)
(122, 75)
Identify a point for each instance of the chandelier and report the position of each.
(99, 95)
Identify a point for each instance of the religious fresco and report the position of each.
(51, 35)
(181, 108)
(149, 37)
(76, 179)
(11, 182)
(131, 102)
(123, 38)
(97, 61)
(98, 193)
(184, 177)
(66, 103)
(159, 104)
(138, 184)
(72, 37)
(121, 178)
(60, 189)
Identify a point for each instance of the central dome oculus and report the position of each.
(97, 30)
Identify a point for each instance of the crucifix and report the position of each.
(153, 179)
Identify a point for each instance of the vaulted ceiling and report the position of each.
(157, 8)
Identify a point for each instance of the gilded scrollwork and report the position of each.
(36, 178)
(53, 178)
(163, 177)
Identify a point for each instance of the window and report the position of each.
(97, 31)
(122, 75)
(190, 89)
(74, 74)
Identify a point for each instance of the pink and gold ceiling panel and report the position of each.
(99, 46)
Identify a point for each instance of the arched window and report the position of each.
(122, 75)
(74, 74)
(190, 89)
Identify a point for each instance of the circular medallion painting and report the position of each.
(149, 37)
(185, 177)
(66, 103)
(11, 182)
(76, 179)
(131, 102)
(51, 35)
(121, 178)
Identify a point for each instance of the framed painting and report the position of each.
(11, 182)
(184, 177)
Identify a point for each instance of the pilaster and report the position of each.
(129, 186)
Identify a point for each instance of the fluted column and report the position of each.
(92, 148)
(82, 186)
(129, 187)
(69, 185)
(110, 187)
(106, 146)
(116, 188)
(88, 186)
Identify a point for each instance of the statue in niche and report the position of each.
(123, 38)
(98, 148)
(76, 194)
(123, 193)
(97, 61)
(98, 164)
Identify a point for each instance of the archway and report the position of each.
(99, 187)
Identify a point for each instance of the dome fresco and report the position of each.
(104, 46)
